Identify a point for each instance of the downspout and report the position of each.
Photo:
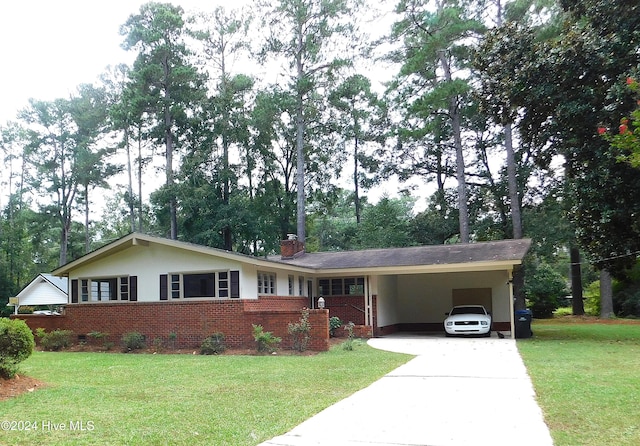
(511, 307)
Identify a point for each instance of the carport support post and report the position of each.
(511, 304)
(368, 307)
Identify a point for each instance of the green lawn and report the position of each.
(587, 378)
(183, 399)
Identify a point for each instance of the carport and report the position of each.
(411, 289)
(418, 301)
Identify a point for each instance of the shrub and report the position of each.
(54, 340)
(563, 311)
(213, 345)
(173, 337)
(100, 336)
(299, 332)
(133, 341)
(543, 290)
(265, 340)
(592, 299)
(334, 324)
(16, 345)
(628, 302)
(348, 344)
(158, 343)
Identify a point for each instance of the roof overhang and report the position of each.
(424, 269)
(486, 256)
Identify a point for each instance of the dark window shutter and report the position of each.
(235, 284)
(74, 291)
(133, 288)
(164, 295)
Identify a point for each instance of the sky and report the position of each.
(49, 47)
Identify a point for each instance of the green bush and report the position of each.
(563, 311)
(334, 324)
(300, 332)
(265, 340)
(16, 345)
(133, 341)
(627, 302)
(592, 299)
(213, 345)
(543, 289)
(54, 340)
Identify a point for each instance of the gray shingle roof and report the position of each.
(495, 251)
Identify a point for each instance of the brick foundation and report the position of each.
(190, 322)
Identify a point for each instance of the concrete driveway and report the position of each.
(454, 392)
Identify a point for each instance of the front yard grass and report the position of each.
(587, 380)
(183, 399)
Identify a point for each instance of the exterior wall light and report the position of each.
(321, 302)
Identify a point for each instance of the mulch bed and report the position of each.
(17, 386)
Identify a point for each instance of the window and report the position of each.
(300, 286)
(223, 284)
(323, 287)
(341, 286)
(84, 291)
(291, 285)
(175, 286)
(198, 285)
(124, 288)
(105, 289)
(266, 283)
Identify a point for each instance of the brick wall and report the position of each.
(35, 321)
(193, 321)
(347, 308)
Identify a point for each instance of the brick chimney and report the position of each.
(291, 248)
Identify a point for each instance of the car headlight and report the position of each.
(484, 323)
(449, 323)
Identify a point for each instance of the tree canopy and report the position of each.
(483, 119)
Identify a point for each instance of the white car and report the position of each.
(468, 320)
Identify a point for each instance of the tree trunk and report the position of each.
(460, 174)
(64, 242)
(168, 133)
(300, 205)
(577, 303)
(456, 128)
(512, 181)
(606, 295)
(87, 241)
(139, 182)
(132, 217)
(356, 187)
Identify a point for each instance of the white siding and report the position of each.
(149, 262)
(42, 293)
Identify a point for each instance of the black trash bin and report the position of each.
(523, 324)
